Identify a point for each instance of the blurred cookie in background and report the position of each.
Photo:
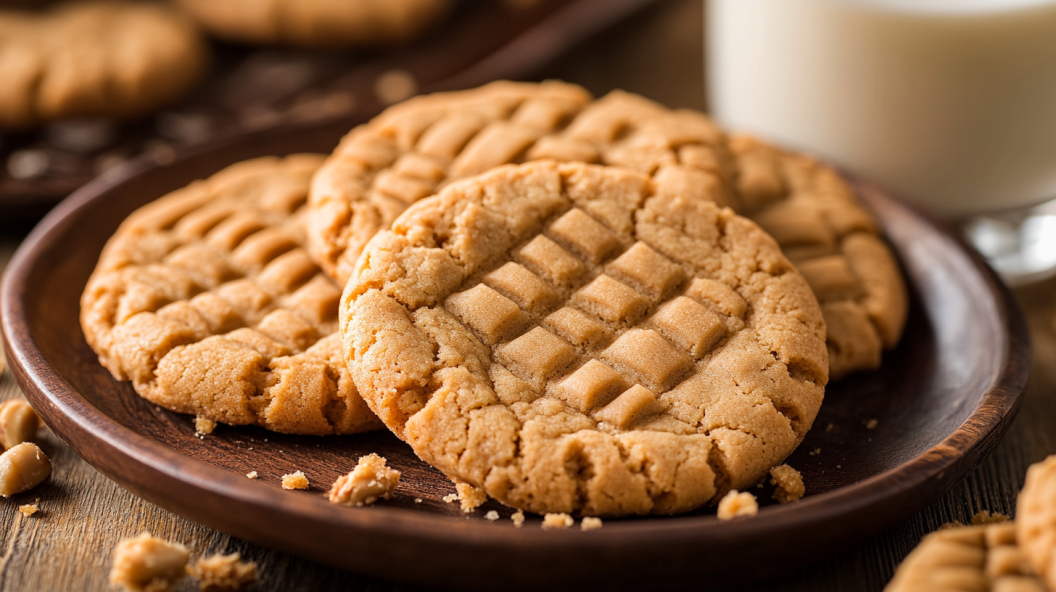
(316, 23)
(108, 58)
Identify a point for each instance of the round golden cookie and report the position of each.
(1036, 519)
(108, 58)
(579, 338)
(971, 559)
(316, 23)
(414, 148)
(207, 302)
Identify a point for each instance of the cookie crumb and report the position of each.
(450, 498)
(737, 504)
(148, 564)
(417, 500)
(28, 509)
(492, 515)
(223, 573)
(788, 483)
(295, 481)
(470, 497)
(203, 426)
(557, 521)
(518, 518)
(829, 428)
(985, 517)
(364, 485)
(871, 424)
(252, 475)
(815, 452)
(590, 523)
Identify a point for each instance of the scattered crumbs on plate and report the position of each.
(295, 481)
(557, 521)
(737, 504)
(417, 500)
(28, 509)
(815, 452)
(492, 515)
(590, 523)
(252, 475)
(203, 426)
(871, 424)
(450, 498)
(518, 518)
(829, 428)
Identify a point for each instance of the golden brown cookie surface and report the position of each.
(413, 149)
(207, 302)
(971, 558)
(1036, 519)
(578, 338)
(316, 23)
(108, 58)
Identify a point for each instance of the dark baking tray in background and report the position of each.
(250, 89)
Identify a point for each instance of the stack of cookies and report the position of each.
(600, 307)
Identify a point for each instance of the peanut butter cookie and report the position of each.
(983, 558)
(1036, 519)
(413, 149)
(109, 58)
(207, 302)
(580, 338)
(316, 23)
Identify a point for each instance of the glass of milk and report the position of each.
(950, 103)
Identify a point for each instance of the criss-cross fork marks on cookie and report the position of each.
(555, 335)
(413, 150)
(602, 326)
(967, 558)
(207, 302)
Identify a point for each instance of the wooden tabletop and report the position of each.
(67, 545)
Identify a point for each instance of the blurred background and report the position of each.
(946, 102)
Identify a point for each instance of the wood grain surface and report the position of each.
(67, 545)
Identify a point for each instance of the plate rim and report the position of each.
(85, 427)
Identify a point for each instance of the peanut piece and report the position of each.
(18, 423)
(22, 468)
(145, 563)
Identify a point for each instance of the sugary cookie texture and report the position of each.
(413, 149)
(207, 302)
(1036, 519)
(109, 58)
(973, 558)
(316, 23)
(579, 338)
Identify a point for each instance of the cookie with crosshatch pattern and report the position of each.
(977, 558)
(206, 300)
(95, 58)
(1036, 519)
(413, 149)
(580, 338)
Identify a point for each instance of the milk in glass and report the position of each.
(951, 103)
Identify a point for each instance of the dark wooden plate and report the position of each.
(941, 403)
